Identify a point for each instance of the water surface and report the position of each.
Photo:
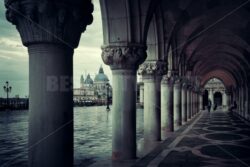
(92, 135)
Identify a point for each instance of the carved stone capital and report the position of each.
(167, 80)
(153, 68)
(189, 87)
(185, 85)
(177, 81)
(195, 89)
(124, 57)
(47, 21)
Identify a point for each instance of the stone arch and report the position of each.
(126, 21)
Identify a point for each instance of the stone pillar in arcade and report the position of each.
(51, 30)
(152, 72)
(124, 61)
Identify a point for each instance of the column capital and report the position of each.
(177, 81)
(46, 21)
(185, 85)
(168, 80)
(153, 68)
(124, 56)
(140, 84)
(189, 87)
(196, 89)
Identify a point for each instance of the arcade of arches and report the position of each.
(175, 46)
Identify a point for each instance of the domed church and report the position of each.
(101, 80)
(93, 89)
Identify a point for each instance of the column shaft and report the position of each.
(124, 61)
(141, 95)
(184, 103)
(167, 114)
(50, 46)
(211, 97)
(193, 104)
(201, 102)
(196, 103)
(227, 103)
(177, 105)
(51, 105)
(189, 105)
(152, 106)
(124, 114)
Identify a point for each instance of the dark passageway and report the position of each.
(218, 98)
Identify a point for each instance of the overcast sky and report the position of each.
(14, 57)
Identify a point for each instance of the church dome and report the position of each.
(101, 77)
(88, 80)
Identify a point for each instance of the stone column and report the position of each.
(197, 103)
(211, 96)
(124, 61)
(51, 31)
(152, 72)
(189, 103)
(200, 101)
(226, 102)
(193, 103)
(177, 103)
(184, 102)
(167, 113)
(142, 93)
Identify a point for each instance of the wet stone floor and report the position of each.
(216, 139)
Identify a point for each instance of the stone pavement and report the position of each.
(216, 139)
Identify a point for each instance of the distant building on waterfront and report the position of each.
(93, 90)
(15, 103)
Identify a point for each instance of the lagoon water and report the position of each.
(92, 135)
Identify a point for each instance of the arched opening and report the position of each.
(218, 98)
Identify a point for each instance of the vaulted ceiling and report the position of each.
(203, 38)
(211, 37)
